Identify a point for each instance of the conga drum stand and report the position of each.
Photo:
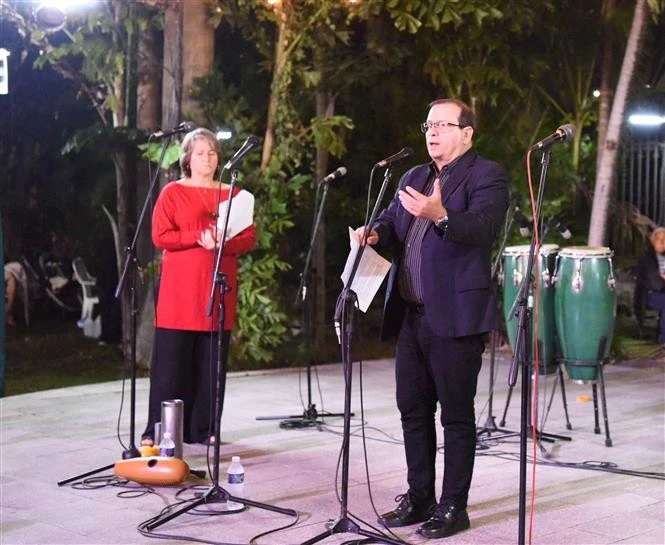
(542, 435)
(594, 390)
(561, 382)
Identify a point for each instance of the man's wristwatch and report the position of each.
(442, 223)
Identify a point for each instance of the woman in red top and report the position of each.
(183, 227)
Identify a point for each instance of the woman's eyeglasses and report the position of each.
(443, 126)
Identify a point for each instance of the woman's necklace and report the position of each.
(211, 213)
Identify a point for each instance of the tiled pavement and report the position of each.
(50, 436)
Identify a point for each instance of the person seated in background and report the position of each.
(14, 277)
(650, 281)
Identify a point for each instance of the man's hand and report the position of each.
(421, 205)
(372, 237)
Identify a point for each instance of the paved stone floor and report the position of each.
(580, 492)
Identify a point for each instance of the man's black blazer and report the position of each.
(456, 266)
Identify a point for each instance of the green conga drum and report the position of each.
(515, 260)
(584, 308)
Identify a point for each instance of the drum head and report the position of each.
(586, 251)
(549, 249)
(522, 249)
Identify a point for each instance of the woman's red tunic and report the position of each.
(181, 213)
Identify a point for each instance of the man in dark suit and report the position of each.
(440, 302)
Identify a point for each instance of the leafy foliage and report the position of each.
(262, 324)
(524, 66)
(153, 151)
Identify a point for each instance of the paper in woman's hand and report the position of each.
(242, 213)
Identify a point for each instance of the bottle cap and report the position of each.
(235, 459)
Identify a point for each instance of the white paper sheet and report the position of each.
(242, 213)
(371, 271)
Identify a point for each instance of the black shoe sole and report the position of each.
(401, 524)
(458, 526)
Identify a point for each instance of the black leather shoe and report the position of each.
(446, 521)
(407, 512)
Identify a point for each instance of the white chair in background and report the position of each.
(15, 269)
(91, 325)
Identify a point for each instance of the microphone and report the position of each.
(562, 134)
(523, 222)
(337, 320)
(403, 154)
(249, 145)
(185, 126)
(339, 173)
(562, 229)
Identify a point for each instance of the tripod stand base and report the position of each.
(216, 494)
(549, 437)
(224, 500)
(84, 475)
(131, 452)
(499, 433)
(503, 434)
(309, 417)
(298, 423)
(345, 525)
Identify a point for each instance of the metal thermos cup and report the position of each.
(158, 433)
(172, 421)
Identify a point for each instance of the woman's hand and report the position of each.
(209, 241)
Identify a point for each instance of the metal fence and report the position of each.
(642, 177)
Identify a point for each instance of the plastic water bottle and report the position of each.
(235, 479)
(167, 445)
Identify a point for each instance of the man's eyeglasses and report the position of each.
(443, 126)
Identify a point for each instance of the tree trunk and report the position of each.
(172, 73)
(121, 165)
(280, 61)
(120, 113)
(325, 107)
(148, 119)
(605, 174)
(122, 210)
(148, 87)
(605, 78)
(198, 47)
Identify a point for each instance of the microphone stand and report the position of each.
(347, 301)
(522, 357)
(310, 415)
(215, 493)
(490, 423)
(130, 260)
(541, 435)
